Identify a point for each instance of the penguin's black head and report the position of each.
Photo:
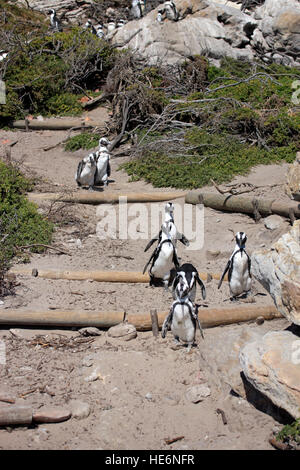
(51, 12)
(182, 287)
(169, 207)
(241, 239)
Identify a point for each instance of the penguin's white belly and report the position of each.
(102, 169)
(164, 263)
(182, 325)
(240, 281)
(87, 175)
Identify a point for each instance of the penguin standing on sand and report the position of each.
(185, 283)
(86, 171)
(54, 21)
(111, 26)
(171, 11)
(175, 235)
(163, 259)
(103, 166)
(239, 269)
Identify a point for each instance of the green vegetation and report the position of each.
(290, 433)
(86, 141)
(243, 117)
(20, 222)
(49, 74)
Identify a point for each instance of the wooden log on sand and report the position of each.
(55, 124)
(245, 205)
(11, 415)
(209, 317)
(99, 276)
(106, 197)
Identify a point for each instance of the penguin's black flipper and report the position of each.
(195, 315)
(200, 282)
(166, 323)
(151, 243)
(79, 170)
(228, 266)
(175, 259)
(151, 258)
(108, 169)
(249, 265)
(183, 239)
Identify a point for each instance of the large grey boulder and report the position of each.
(272, 365)
(278, 270)
(205, 27)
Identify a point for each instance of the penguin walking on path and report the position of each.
(239, 269)
(103, 166)
(137, 8)
(54, 21)
(86, 171)
(185, 283)
(175, 235)
(182, 319)
(163, 259)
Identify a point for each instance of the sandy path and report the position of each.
(121, 416)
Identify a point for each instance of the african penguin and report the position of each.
(54, 21)
(111, 26)
(239, 269)
(163, 259)
(182, 318)
(90, 27)
(137, 8)
(175, 235)
(184, 284)
(3, 55)
(171, 10)
(86, 171)
(103, 166)
(99, 31)
(121, 23)
(159, 16)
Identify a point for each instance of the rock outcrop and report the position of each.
(270, 32)
(292, 187)
(278, 270)
(272, 365)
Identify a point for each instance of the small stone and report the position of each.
(260, 320)
(49, 414)
(148, 396)
(80, 409)
(78, 243)
(88, 361)
(34, 272)
(124, 331)
(273, 222)
(89, 331)
(197, 393)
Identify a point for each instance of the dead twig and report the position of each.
(221, 412)
(35, 245)
(174, 439)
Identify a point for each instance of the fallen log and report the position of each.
(54, 124)
(11, 415)
(246, 205)
(99, 276)
(107, 197)
(209, 317)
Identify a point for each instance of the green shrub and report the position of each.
(82, 141)
(20, 223)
